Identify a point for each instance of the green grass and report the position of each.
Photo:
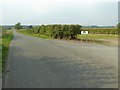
(98, 38)
(36, 35)
(6, 39)
(41, 36)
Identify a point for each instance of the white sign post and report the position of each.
(85, 33)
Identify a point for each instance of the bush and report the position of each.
(56, 31)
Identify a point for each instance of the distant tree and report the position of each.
(30, 26)
(18, 25)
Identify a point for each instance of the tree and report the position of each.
(30, 26)
(18, 25)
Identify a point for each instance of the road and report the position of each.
(42, 63)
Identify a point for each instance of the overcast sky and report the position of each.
(84, 12)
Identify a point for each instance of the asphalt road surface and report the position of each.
(42, 63)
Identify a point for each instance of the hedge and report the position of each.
(56, 31)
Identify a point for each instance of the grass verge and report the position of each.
(106, 39)
(7, 36)
(36, 35)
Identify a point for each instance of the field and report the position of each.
(101, 30)
(100, 38)
(106, 36)
(6, 39)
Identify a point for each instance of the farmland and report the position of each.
(101, 30)
(106, 36)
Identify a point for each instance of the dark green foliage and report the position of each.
(18, 26)
(56, 31)
(30, 26)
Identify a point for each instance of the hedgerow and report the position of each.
(56, 31)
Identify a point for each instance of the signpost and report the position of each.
(85, 33)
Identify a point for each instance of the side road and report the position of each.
(42, 63)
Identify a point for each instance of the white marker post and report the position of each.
(85, 33)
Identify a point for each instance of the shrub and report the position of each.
(56, 31)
